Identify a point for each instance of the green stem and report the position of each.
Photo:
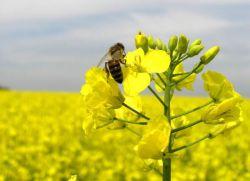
(192, 110)
(156, 95)
(104, 125)
(167, 110)
(183, 78)
(166, 169)
(186, 126)
(130, 122)
(190, 144)
(132, 131)
(185, 73)
(135, 111)
(156, 82)
(159, 76)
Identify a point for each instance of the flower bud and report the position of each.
(199, 69)
(159, 44)
(165, 47)
(209, 55)
(195, 50)
(195, 42)
(151, 42)
(141, 41)
(175, 55)
(182, 44)
(172, 43)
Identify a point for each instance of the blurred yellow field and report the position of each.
(41, 138)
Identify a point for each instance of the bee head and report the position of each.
(117, 47)
(120, 45)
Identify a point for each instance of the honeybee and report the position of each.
(113, 60)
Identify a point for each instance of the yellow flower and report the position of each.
(140, 66)
(218, 87)
(96, 117)
(186, 83)
(179, 122)
(224, 128)
(126, 114)
(100, 90)
(226, 111)
(155, 141)
(135, 82)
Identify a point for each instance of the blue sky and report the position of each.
(49, 44)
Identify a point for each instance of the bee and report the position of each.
(113, 60)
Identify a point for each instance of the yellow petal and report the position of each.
(155, 140)
(135, 82)
(156, 61)
(134, 57)
(217, 85)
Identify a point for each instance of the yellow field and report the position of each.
(41, 139)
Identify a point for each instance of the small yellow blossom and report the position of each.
(224, 128)
(155, 140)
(218, 87)
(96, 117)
(223, 112)
(140, 66)
(186, 83)
(179, 122)
(101, 90)
(126, 114)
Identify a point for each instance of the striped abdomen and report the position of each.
(115, 70)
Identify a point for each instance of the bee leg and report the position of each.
(107, 69)
(123, 61)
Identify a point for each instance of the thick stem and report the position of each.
(166, 169)
(167, 111)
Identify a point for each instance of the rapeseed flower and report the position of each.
(101, 90)
(96, 117)
(186, 83)
(140, 66)
(126, 114)
(226, 111)
(217, 86)
(154, 142)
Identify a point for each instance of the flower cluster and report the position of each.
(226, 110)
(154, 62)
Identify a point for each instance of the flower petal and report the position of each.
(135, 82)
(156, 61)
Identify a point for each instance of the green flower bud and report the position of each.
(182, 44)
(195, 42)
(175, 55)
(172, 43)
(209, 55)
(159, 44)
(165, 47)
(151, 42)
(195, 50)
(141, 41)
(199, 69)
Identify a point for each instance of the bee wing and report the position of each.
(106, 57)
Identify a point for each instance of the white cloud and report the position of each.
(179, 21)
(13, 10)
